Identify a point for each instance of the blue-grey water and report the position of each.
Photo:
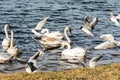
(23, 14)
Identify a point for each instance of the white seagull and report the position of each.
(39, 26)
(88, 27)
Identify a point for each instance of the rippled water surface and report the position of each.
(23, 14)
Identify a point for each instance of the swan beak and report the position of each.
(70, 30)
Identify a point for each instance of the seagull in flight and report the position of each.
(89, 26)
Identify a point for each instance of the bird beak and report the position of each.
(70, 30)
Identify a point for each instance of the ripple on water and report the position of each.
(25, 14)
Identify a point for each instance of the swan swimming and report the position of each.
(51, 43)
(55, 34)
(110, 42)
(6, 40)
(107, 37)
(13, 50)
(114, 19)
(75, 52)
(88, 27)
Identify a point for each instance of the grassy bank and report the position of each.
(109, 72)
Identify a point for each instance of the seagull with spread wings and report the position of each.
(89, 26)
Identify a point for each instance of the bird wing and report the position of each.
(92, 62)
(41, 23)
(35, 56)
(96, 58)
(87, 23)
(93, 23)
(118, 17)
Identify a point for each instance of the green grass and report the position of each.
(104, 72)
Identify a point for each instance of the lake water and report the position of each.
(23, 14)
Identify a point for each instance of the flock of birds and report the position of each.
(54, 40)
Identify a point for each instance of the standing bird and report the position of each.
(114, 19)
(88, 27)
(6, 40)
(31, 64)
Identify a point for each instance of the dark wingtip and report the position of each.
(81, 27)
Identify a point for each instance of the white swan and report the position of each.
(39, 26)
(115, 19)
(13, 50)
(55, 34)
(107, 37)
(6, 40)
(53, 42)
(110, 42)
(88, 27)
(75, 52)
(32, 67)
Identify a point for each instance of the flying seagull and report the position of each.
(89, 26)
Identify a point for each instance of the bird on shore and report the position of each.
(88, 26)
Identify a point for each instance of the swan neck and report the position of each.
(45, 31)
(35, 32)
(6, 32)
(12, 38)
(68, 45)
(66, 35)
